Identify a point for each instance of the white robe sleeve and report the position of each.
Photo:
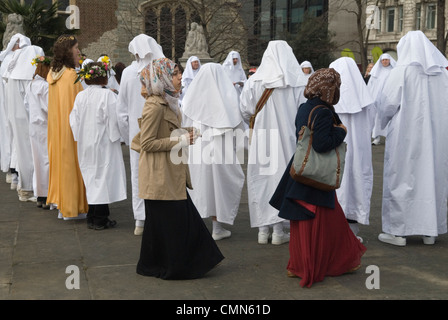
(74, 120)
(123, 113)
(247, 104)
(110, 114)
(390, 100)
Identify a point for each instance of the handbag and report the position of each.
(322, 171)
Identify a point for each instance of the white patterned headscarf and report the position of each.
(158, 80)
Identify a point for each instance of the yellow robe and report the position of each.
(66, 187)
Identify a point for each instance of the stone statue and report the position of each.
(196, 44)
(14, 26)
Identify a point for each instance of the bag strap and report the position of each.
(311, 126)
(264, 98)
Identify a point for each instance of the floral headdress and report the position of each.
(41, 59)
(92, 70)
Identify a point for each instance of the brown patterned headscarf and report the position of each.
(325, 84)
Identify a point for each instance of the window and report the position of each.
(390, 16)
(418, 16)
(431, 16)
(400, 18)
(281, 18)
(169, 24)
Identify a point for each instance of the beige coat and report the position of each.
(159, 177)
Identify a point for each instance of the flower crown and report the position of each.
(41, 59)
(92, 70)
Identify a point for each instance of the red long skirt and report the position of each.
(323, 246)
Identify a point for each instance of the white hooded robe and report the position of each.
(211, 105)
(378, 77)
(189, 74)
(235, 72)
(130, 107)
(36, 100)
(274, 139)
(18, 75)
(415, 110)
(356, 111)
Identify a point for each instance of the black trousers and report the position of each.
(98, 214)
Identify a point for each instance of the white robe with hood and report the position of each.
(211, 105)
(414, 104)
(94, 125)
(18, 75)
(5, 127)
(130, 107)
(274, 136)
(307, 64)
(189, 74)
(235, 72)
(36, 100)
(378, 77)
(356, 111)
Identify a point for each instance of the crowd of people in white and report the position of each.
(402, 101)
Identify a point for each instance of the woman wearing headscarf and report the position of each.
(356, 110)
(19, 73)
(192, 68)
(176, 244)
(272, 141)
(130, 106)
(378, 77)
(211, 105)
(66, 187)
(321, 243)
(414, 109)
(233, 67)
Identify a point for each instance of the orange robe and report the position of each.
(66, 187)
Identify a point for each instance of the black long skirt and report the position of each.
(176, 243)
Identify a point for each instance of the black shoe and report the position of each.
(107, 225)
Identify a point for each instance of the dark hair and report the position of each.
(119, 67)
(63, 55)
(42, 70)
(100, 81)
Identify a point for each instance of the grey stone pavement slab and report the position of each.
(36, 248)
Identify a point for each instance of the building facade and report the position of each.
(386, 22)
(107, 27)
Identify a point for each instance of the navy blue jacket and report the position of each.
(325, 137)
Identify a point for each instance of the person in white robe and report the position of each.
(234, 70)
(414, 109)
(5, 126)
(378, 76)
(192, 68)
(307, 68)
(130, 107)
(36, 101)
(356, 111)
(273, 141)
(211, 105)
(94, 124)
(18, 75)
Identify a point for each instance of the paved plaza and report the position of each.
(37, 250)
